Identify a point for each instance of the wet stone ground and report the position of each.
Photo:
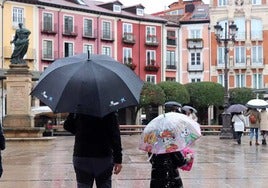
(218, 163)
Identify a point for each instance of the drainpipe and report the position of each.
(2, 63)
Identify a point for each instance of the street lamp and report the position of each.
(229, 36)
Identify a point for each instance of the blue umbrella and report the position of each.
(236, 108)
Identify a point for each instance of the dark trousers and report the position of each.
(165, 179)
(89, 170)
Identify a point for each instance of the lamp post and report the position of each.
(229, 36)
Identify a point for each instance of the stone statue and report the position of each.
(21, 43)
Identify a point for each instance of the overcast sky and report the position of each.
(151, 6)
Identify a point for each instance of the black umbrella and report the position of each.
(96, 86)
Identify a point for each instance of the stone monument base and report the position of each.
(21, 126)
(23, 132)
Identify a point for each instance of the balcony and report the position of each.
(194, 43)
(195, 67)
(129, 38)
(70, 32)
(107, 36)
(151, 40)
(91, 35)
(49, 28)
(257, 63)
(171, 40)
(128, 62)
(171, 65)
(49, 57)
(151, 66)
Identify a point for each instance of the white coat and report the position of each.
(239, 121)
(264, 120)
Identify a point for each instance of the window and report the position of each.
(106, 30)
(256, 2)
(240, 55)
(127, 31)
(257, 81)
(240, 23)
(117, 8)
(127, 54)
(106, 50)
(68, 24)
(195, 58)
(172, 79)
(150, 57)
(17, 16)
(150, 34)
(88, 47)
(68, 49)
(195, 33)
(221, 54)
(195, 80)
(240, 80)
(140, 12)
(171, 60)
(88, 25)
(256, 54)
(221, 79)
(48, 20)
(47, 49)
(222, 2)
(256, 29)
(151, 78)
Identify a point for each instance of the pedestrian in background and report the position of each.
(254, 124)
(2, 147)
(239, 122)
(264, 125)
(97, 149)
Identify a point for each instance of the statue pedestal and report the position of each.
(19, 122)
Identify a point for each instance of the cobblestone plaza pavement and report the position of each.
(218, 164)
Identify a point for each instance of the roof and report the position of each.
(98, 7)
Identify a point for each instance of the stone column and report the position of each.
(19, 122)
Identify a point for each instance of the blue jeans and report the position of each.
(252, 131)
(92, 169)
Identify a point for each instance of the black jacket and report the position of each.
(95, 137)
(165, 171)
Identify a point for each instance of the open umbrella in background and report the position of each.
(188, 108)
(172, 103)
(257, 103)
(96, 85)
(169, 132)
(236, 108)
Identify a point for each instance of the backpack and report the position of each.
(252, 118)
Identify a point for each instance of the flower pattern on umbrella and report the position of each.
(169, 132)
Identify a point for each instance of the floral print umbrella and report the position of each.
(168, 133)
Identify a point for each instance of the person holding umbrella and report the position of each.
(264, 125)
(254, 124)
(97, 148)
(239, 123)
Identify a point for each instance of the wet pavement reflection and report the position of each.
(218, 164)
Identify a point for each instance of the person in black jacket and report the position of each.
(97, 149)
(2, 147)
(165, 173)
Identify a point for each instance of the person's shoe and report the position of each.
(250, 143)
(257, 143)
(239, 141)
(263, 142)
